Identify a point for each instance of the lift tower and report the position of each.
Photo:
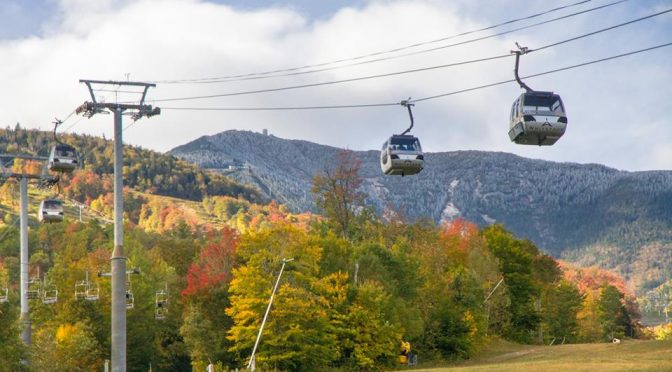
(42, 180)
(118, 260)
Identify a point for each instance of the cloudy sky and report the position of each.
(620, 111)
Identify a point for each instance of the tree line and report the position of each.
(359, 284)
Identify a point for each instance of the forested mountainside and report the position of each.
(570, 210)
(144, 170)
(351, 294)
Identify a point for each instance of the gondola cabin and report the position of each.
(63, 158)
(402, 155)
(537, 118)
(51, 210)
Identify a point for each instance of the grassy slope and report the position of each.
(631, 355)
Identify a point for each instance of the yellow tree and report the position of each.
(298, 334)
(590, 329)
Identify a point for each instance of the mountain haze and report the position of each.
(589, 213)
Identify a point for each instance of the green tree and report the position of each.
(561, 306)
(612, 313)
(11, 347)
(515, 261)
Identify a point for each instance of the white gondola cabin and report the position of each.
(402, 155)
(537, 118)
(63, 158)
(51, 210)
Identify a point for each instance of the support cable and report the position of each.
(323, 107)
(368, 77)
(293, 71)
(546, 72)
(301, 86)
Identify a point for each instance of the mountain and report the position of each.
(587, 213)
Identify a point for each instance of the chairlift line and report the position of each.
(293, 71)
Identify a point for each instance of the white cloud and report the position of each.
(618, 105)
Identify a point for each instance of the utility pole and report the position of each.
(42, 181)
(118, 259)
(252, 364)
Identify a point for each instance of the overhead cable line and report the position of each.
(288, 108)
(420, 99)
(545, 72)
(334, 81)
(294, 70)
(310, 85)
(602, 30)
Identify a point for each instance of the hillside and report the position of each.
(144, 170)
(586, 213)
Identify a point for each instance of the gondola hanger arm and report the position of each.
(521, 50)
(56, 123)
(407, 103)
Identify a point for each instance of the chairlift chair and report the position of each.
(49, 292)
(85, 290)
(536, 118)
(51, 210)
(401, 153)
(92, 293)
(80, 290)
(161, 305)
(34, 288)
(4, 297)
(130, 299)
(50, 296)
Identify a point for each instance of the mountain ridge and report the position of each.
(565, 208)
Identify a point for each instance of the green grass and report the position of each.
(630, 355)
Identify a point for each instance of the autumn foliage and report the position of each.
(213, 265)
